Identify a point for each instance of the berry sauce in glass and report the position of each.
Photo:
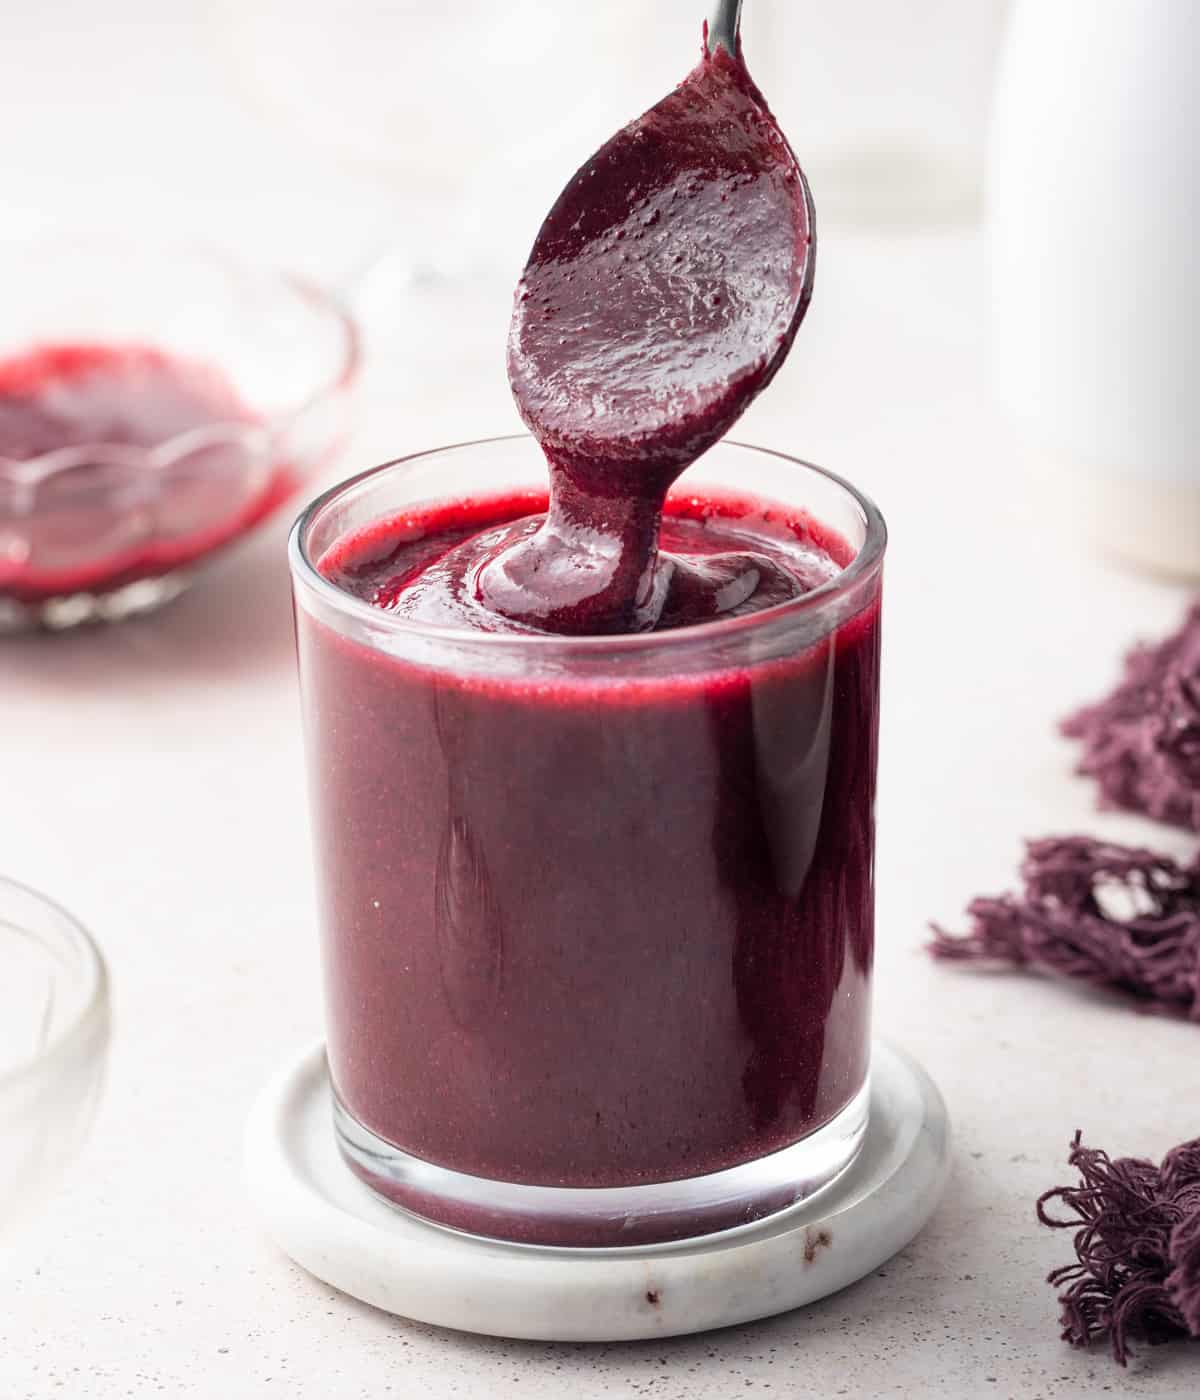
(594, 933)
(587, 930)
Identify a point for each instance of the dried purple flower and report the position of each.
(1142, 743)
(1112, 916)
(1137, 1241)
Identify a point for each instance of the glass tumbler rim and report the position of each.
(94, 1010)
(866, 563)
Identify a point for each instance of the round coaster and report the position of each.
(333, 1226)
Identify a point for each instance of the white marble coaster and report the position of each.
(331, 1225)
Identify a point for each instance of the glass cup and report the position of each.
(597, 913)
(54, 1024)
(100, 530)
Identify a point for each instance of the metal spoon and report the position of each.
(723, 27)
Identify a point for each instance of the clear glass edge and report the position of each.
(866, 565)
(856, 1112)
(93, 1015)
(321, 299)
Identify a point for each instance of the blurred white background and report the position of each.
(390, 146)
(282, 123)
(382, 146)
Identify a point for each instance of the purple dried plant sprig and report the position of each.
(1137, 1247)
(1115, 917)
(1142, 742)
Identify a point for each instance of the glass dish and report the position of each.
(94, 530)
(54, 1029)
(597, 912)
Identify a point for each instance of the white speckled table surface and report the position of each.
(153, 783)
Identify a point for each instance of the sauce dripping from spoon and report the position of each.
(663, 293)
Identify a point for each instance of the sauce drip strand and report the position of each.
(662, 294)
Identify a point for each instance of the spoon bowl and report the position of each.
(668, 281)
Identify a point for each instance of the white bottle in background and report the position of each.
(1094, 212)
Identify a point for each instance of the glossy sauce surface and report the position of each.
(727, 557)
(662, 294)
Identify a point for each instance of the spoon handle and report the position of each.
(723, 26)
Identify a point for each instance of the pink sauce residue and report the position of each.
(154, 468)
